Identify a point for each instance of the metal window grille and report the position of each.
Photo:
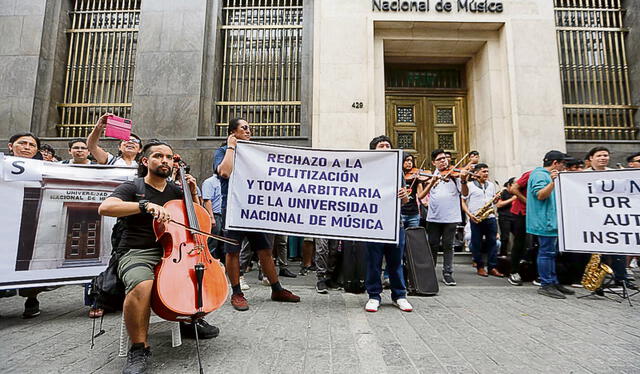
(593, 66)
(103, 36)
(402, 77)
(262, 43)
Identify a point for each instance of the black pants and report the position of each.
(216, 247)
(441, 239)
(507, 226)
(519, 229)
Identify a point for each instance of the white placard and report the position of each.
(21, 169)
(599, 211)
(339, 194)
(50, 230)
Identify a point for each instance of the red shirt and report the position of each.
(518, 207)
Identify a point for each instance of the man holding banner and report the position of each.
(223, 165)
(26, 145)
(543, 222)
(600, 157)
(393, 253)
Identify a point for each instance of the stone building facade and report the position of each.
(504, 77)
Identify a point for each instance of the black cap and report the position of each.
(556, 156)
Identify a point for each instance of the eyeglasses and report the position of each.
(245, 127)
(636, 160)
(133, 140)
(440, 159)
(79, 148)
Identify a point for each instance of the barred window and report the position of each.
(102, 40)
(262, 42)
(593, 65)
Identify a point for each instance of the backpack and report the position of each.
(107, 290)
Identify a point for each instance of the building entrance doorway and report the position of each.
(425, 110)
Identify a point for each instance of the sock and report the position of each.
(137, 346)
(236, 289)
(276, 287)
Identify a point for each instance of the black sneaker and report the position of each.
(31, 308)
(333, 284)
(564, 290)
(284, 272)
(321, 286)
(205, 330)
(304, 271)
(448, 280)
(137, 359)
(551, 291)
(515, 279)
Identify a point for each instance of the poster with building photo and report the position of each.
(599, 211)
(336, 194)
(50, 229)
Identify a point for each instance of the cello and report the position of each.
(189, 282)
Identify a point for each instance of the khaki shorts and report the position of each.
(137, 266)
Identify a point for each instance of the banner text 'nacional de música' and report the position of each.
(337, 194)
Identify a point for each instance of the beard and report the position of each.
(160, 172)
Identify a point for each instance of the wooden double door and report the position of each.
(83, 232)
(420, 124)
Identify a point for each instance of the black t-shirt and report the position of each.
(505, 211)
(138, 232)
(411, 207)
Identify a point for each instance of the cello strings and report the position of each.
(196, 231)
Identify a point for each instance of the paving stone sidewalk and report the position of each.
(483, 325)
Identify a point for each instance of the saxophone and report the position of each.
(594, 273)
(487, 209)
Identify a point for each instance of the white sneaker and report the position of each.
(633, 264)
(403, 304)
(372, 305)
(243, 285)
(265, 281)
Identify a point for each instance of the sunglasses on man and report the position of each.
(133, 140)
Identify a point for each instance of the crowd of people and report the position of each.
(510, 230)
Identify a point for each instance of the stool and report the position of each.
(176, 338)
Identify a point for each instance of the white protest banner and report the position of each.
(349, 194)
(50, 230)
(599, 211)
(21, 169)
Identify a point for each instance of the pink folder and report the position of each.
(118, 127)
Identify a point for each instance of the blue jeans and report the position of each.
(410, 221)
(547, 259)
(393, 254)
(487, 229)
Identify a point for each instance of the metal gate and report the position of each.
(262, 43)
(593, 65)
(103, 35)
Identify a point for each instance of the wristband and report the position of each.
(232, 148)
(142, 204)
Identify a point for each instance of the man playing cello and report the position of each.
(136, 267)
